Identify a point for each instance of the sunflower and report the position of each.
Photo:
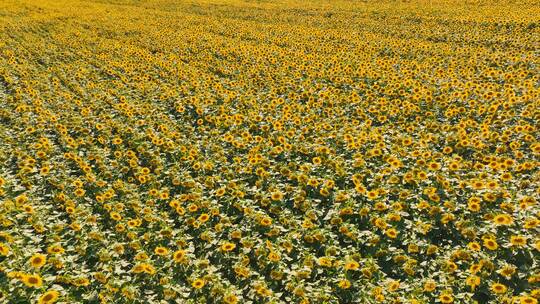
(115, 216)
(193, 208)
(527, 300)
(203, 218)
(32, 280)
(472, 281)
(429, 286)
(518, 240)
(491, 244)
(139, 268)
(325, 261)
(198, 284)
(141, 256)
(274, 257)
(220, 192)
(474, 246)
(434, 166)
(277, 196)
(373, 194)
(474, 268)
(391, 233)
(297, 144)
(352, 265)
(230, 299)
(161, 251)
(507, 271)
(502, 219)
(227, 246)
(393, 285)
(4, 249)
(344, 284)
(79, 192)
(236, 234)
(421, 175)
(324, 192)
(446, 298)
(49, 297)
(474, 206)
(498, 288)
(531, 223)
(38, 260)
(506, 177)
(265, 221)
(149, 269)
(313, 182)
(81, 281)
(21, 199)
(178, 256)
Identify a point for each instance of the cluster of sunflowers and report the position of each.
(239, 151)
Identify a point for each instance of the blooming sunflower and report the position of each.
(32, 280)
(491, 244)
(198, 284)
(502, 219)
(230, 299)
(4, 249)
(49, 297)
(344, 284)
(178, 256)
(227, 246)
(351, 265)
(446, 298)
(161, 251)
(38, 260)
(498, 288)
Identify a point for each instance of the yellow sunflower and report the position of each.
(49, 297)
(38, 260)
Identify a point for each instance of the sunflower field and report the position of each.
(269, 151)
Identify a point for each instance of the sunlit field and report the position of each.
(257, 151)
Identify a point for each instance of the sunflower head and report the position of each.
(198, 284)
(38, 260)
(32, 280)
(49, 297)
